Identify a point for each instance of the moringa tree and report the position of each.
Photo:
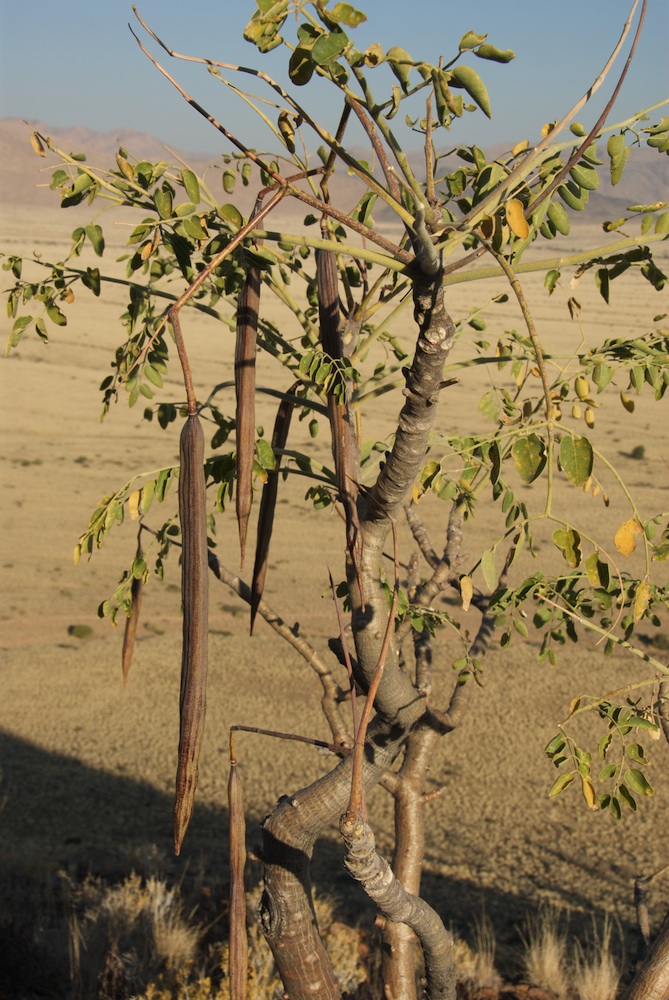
(460, 216)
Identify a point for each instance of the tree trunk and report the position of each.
(652, 980)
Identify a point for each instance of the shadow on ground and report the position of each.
(62, 822)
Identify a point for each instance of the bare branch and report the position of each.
(378, 881)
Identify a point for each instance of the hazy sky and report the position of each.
(75, 62)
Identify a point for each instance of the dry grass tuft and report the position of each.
(596, 973)
(129, 935)
(545, 960)
(475, 967)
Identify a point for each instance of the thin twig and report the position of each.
(547, 192)
(347, 657)
(296, 192)
(191, 401)
(336, 748)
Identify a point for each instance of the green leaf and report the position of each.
(163, 201)
(469, 80)
(558, 216)
(265, 454)
(601, 376)
(585, 177)
(91, 279)
(576, 459)
(635, 752)
(401, 64)
(529, 457)
(496, 55)
(560, 784)
(489, 405)
(555, 745)
(97, 239)
(551, 279)
(301, 66)
(639, 722)
(618, 153)
(154, 376)
(573, 196)
(662, 224)
(231, 214)
(627, 797)
(56, 316)
(597, 571)
(191, 185)
(329, 47)
(568, 541)
(470, 40)
(638, 781)
(17, 330)
(194, 228)
(344, 13)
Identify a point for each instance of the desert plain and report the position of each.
(87, 766)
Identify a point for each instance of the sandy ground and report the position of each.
(87, 767)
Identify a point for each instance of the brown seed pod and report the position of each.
(344, 449)
(268, 502)
(195, 598)
(131, 626)
(238, 936)
(245, 384)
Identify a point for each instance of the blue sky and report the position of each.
(75, 62)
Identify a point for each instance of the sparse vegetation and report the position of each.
(342, 357)
(546, 960)
(80, 631)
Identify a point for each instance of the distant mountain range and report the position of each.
(26, 176)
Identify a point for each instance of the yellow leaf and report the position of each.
(641, 599)
(574, 705)
(520, 146)
(77, 554)
(133, 504)
(516, 219)
(466, 591)
(625, 536)
(589, 793)
(36, 144)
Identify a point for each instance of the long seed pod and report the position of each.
(268, 501)
(245, 382)
(195, 598)
(130, 632)
(238, 937)
(344, 448)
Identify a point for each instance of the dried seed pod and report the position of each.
(131, 626)
(238, 936)
(195, 598)
(268, 501)
(344, 448)
(245, 383)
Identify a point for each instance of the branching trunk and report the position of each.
(289, 833)
(397, 904)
